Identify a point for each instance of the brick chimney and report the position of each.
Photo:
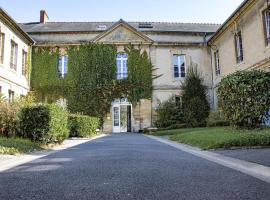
(43, 17)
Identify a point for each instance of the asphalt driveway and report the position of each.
(127, 167)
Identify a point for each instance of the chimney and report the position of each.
(43, 17)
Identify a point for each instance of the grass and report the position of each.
(218, 137)
(14, 146)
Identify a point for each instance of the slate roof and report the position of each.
(54, 27)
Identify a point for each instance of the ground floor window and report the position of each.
(11, 96)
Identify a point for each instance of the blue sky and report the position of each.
(207, 11)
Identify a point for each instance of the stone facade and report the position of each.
(13, 82)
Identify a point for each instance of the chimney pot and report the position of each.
(43, 17)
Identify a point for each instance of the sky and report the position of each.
(195, 11)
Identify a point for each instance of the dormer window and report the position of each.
(62, 66)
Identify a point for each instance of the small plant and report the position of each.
(196, 107)
(244, 98)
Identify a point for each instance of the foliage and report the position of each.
(216, 118)
(90, 85)
(44, 123)
(82, 126)
(221, 137)
(14, 146)
(168, 113)
(196, 107)
(244, 97)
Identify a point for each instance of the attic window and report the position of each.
(145, 25)
(101, 27)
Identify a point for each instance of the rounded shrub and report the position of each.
(244, 97)
(44, 123)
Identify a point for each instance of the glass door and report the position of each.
(116, 119)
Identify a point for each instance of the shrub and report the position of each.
(168, 113)
(82, 126)
(217, 119)
(244, 97)
(44, 123)
(196, 107)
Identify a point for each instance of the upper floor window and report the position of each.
(24, 62)
(122, 68)
(179, 66)
(239, 47)
(62, 66)
(217, 63)
(13, 55)
(267, 26)
(2, 45)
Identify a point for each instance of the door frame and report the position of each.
(117, 103)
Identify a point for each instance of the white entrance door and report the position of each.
(121, 116)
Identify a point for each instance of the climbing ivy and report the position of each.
(90, 84)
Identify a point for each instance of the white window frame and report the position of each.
(239, 47)
(13, 55)
(217, 63)
(2, 47)
(62, 72)
(24, 61)
(179, 65)
(120, 74)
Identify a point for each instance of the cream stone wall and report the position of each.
(256, 53)
(11, 79)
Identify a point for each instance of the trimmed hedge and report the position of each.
(44, 123)
(82, 125)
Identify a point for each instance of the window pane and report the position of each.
(175, 59)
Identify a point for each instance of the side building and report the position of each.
(171, 47)
(242, 42)
(15, 51)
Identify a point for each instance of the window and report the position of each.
(267, 26)
(13, 55)
(217, 63)
(239, 47)
(62, 66)
(11, 95)
(178, 101)
(2, 43)
(24, 62)
(122, 68)
(179, 66)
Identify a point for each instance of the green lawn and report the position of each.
(14, 146)
(219, 137)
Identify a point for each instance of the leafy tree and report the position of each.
(196, 107)
(244, 97)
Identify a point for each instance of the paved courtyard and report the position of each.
(127, 166)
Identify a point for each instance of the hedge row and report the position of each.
(82, 126)
(50, 123)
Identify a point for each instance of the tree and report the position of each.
(196, 107)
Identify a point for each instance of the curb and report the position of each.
(25, 158)
(252, 169)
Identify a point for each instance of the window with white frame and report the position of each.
(2, 45)
(217, 63)
(122, 68)
(179, 66)
(267, 26)
(13, 55)
(62, 66)
(11, 96)
(239, 47)
(24, 62)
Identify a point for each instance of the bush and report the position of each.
(217, 119)
(44, 123)
(244, 97)
(82, 126)
(196, 107)
(168, 113)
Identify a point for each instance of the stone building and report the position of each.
(15, 47)
(241, 43)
